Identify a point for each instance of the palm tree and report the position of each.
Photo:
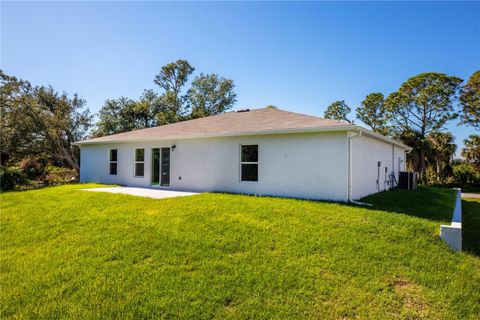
(471, 152)
(442, 147)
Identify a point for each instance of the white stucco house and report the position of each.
(263, 151)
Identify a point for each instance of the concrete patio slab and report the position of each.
(143, 192)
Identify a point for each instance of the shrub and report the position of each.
(33, 168)
(59, 175)
(465, 173)
(11, 177)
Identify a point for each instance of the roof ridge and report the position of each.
(190, 120)
(312, 116)
(170, 124)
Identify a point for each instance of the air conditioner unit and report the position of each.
(408, 180)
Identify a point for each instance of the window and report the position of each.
(249, 162)
(139, 162)
(113, 162)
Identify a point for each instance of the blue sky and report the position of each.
(298, 56)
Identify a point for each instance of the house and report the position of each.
(263, 151)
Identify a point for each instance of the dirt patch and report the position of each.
(414, 305)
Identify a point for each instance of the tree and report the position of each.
(60, 121)
(471, 152)
(470, 101)
(413, 140)
(172, 78)
(40, 121)
(373, 113)
(442, 148)
(423, 104)
(146, 109)
(125, 114)
(112, 117)
(210, 95)
(465, 173)
(15, 136)
(338, 111)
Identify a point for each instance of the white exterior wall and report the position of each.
(308, 165)
(366, 152)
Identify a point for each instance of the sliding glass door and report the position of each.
(161, 167)
(165, 167)
(155, 166)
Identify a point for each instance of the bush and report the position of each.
(33, 168)
(465, 173)
(33, 173)
(11, 177)
(59, 175)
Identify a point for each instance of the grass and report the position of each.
(471, 225)
(67, 253)
(434, 204)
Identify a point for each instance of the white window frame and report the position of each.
(135, 163)
(241, 162)
(110, 161)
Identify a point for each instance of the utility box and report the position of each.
(407, 180)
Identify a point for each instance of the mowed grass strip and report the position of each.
(68, 253)
(471, 225)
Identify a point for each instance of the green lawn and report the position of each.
(471, 225)
(67, 253)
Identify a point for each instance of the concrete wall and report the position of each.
(452, 234)
(366, 152)
(312, 165)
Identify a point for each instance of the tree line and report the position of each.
(39, 124)
(416, 114)
(209, 94)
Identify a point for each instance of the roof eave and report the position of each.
(347, 127)
(219, 135)
(381, 137)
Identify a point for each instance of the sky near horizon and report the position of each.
(299, 56)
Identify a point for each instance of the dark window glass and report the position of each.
(113, 155)
(250, 153)
(113, 168)
(165, 167)
(139, 168)
(249, 172)
(140, 155)
(155, 166)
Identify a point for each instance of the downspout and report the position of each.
(393, 159)
(392, 170)
(350, 169)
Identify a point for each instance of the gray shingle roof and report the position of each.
(228, 124)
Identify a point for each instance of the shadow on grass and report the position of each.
(471, 226)
(435, 204)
